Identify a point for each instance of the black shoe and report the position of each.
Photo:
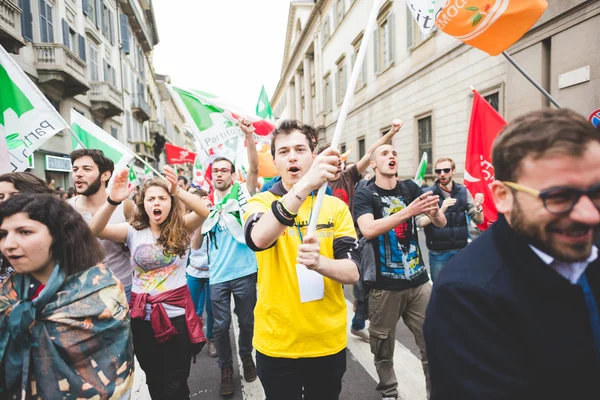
(249, 369)
(226, 388)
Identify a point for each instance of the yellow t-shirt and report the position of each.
(283, 326)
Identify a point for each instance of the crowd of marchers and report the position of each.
(114, 271)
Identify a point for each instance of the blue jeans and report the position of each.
(200, 290)
(437, 260)
(244, 295)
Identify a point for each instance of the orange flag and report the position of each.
(490, 25)
(266, 167)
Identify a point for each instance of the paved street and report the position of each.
(359, 381)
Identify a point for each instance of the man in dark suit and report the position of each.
(515, 314)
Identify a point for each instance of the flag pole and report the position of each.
(339, 127)
(75, 136)
(530, 79)
(147, 165)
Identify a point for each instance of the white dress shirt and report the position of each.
(570, 271)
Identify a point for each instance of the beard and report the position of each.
(541, 236)
(223, 186)
(92, 188)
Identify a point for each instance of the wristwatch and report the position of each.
(478, 210)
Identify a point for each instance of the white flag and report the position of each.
(425, 12)
(27, 119)
(93, 137)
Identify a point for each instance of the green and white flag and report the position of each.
(27, 119)
(93, 137)
(213, 120)
(148, 174)
(420, 175)
(263, 107)
(133, 179)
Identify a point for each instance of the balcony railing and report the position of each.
(141, 108)
(56, 62)
(10, 26)
(106, 99)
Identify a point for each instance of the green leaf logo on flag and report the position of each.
(263, 107)
(11, 97)
(133, 179)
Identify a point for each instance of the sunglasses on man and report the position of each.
(439, 171)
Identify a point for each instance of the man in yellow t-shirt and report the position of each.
(300, 346)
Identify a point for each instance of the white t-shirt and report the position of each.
(153, 271)
(198, 267)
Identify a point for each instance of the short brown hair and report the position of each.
(290, 125)
(444, 159)
(538, 134)
(104, 163)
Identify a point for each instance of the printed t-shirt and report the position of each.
(153, 271)
(399, 259)
(284, 327)
(228, 258)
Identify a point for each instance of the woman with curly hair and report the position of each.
(166, 329)
(64, 329)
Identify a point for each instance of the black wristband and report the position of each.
(111, 201)
(281, 215)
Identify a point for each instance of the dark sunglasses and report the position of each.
(446, 170)
(560, 200)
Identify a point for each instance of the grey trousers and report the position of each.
(385, 309)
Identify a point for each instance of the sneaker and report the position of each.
(249, 369)
(211, 349)
(363, 334)
(226, 388)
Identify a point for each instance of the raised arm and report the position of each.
(268, 228)
(363, 163)
(99, 224)
(200, 211)
(252, 178)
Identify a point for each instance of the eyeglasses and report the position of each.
(560, 200)
(221, 170)
(446, 170)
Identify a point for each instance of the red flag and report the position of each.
(486, 124)
(179, 155)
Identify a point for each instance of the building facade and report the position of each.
(425, 81)
(94, 56)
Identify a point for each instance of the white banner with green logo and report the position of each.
(94, 137)
(27, 119)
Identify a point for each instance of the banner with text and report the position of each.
(27, 119)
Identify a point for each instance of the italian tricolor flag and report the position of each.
(133, 179)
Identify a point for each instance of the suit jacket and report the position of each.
(501, 324)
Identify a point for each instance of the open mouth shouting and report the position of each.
(157, 214)
(14, 258)
(80, 183)
(294, 171)
(392, 164)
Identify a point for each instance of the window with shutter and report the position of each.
(111, 30)
(125, 33)
(82, 54)
(335, 15)
(341, 10)
(46, 22)
(65, 31)
(425, 139)
(391, 39)
(26, 19)
(93, 57)
(376, 51)
(85, 5)
(410, 30)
